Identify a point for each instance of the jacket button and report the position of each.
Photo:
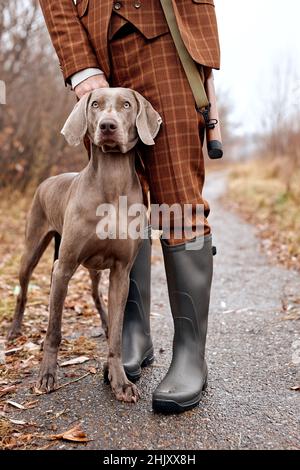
(137, 4)
(117, 5)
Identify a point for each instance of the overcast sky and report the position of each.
(256, 36)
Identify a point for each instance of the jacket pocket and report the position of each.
(210, 2)
(82, 7)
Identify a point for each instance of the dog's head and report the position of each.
(114, 118)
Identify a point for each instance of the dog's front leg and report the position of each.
(59, 287)
(123, 389)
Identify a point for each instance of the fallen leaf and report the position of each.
(37, 391)
(76, 360)
(17, 421)
(6, 390)
(75, 434)
(15, 404)
(6, 432)
(93, 370)
(13, 351)
(296, 388)
(30, 404)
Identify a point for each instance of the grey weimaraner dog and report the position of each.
(115, 118)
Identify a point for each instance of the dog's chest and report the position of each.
(102, 254)
(110, 231)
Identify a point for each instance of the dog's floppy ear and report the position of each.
(76, 125)
(148, 121)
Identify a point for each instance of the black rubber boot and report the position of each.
(137, 343)
(189, 275)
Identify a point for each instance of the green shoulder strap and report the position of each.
(188, 63)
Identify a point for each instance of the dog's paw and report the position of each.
(128, 393)
(13, 334)
(122, 388)
(46, 383)
(47, 376)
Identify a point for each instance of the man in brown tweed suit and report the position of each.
(127, 43)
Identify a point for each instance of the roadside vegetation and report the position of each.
(267, 193)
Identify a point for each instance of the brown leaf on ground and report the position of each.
(9, 389)
(6, 431)
(37, 391)
(5, 427)
(31, 404)
(75, 434)
(10, 437)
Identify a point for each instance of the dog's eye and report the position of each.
(95, 104)
(127, 105)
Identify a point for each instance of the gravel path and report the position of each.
(248, 404)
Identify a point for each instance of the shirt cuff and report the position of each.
(83, 75)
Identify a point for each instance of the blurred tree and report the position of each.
(31, 147)
(281, 121)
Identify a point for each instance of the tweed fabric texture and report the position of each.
(174, 167)
(80, 33)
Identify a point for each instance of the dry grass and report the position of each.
(13, 210)
(267, 193)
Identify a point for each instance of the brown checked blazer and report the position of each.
(80, 33)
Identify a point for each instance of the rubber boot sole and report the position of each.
(173, 407)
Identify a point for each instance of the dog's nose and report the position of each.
(108, 126)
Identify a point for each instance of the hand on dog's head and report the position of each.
(114, 118)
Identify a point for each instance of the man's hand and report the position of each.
(90, 84)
